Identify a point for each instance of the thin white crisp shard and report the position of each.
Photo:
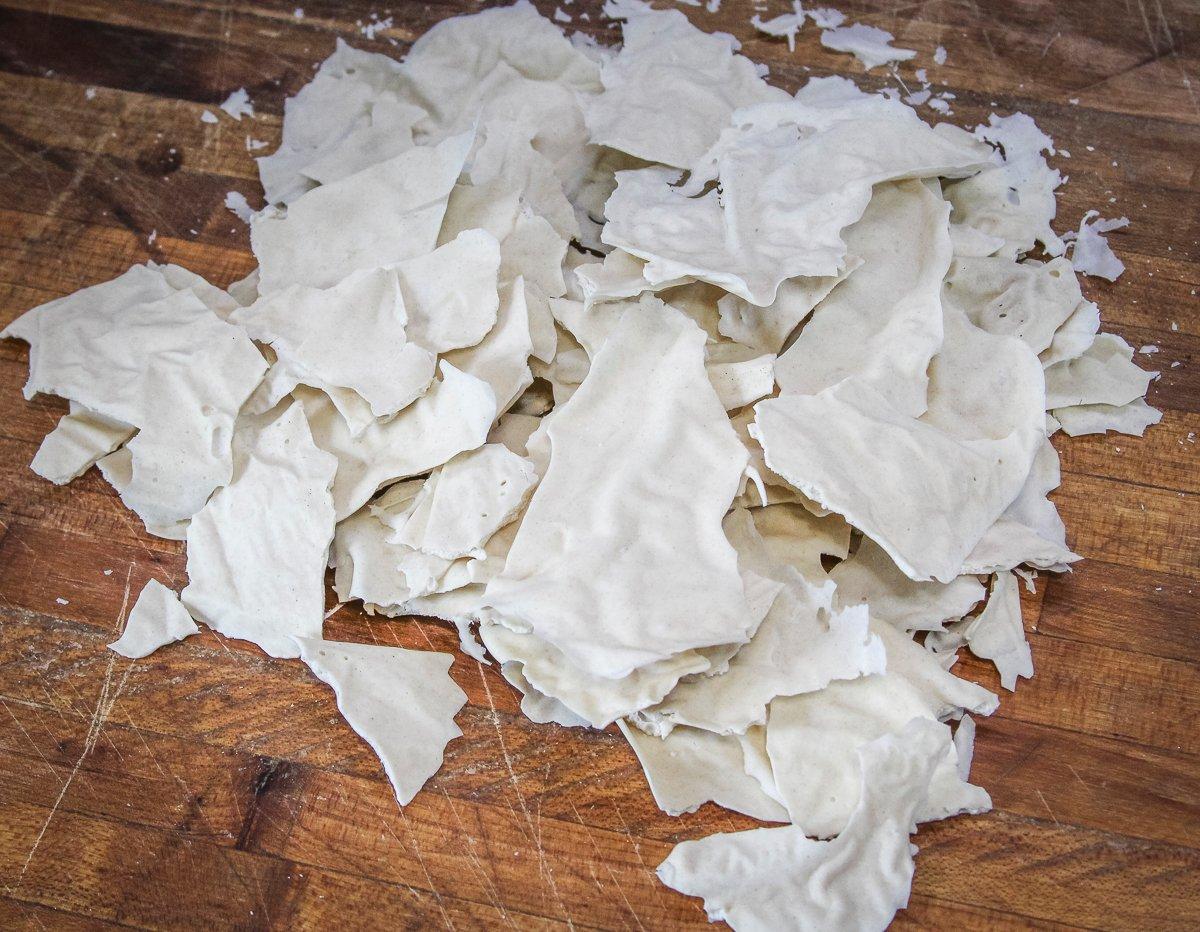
(1091, 253)
(1014, 199)
(1030, 530)
(738, 377)
(1030, 300)
(620, 560)
(671, 89)
(501, 359)
(466, 501)
(450, 295)
(997, 634)
(766, 329)
(869, 44)
(690, 767)
(808, 163)
(238, 104)
(775, 878)
(884, 323)
(802, 644)
(1132, 418)
(78, 440)
(596, 700)
(871, 577)
(1075, 336)
(351, 336)
(813, 739)
(402, 703)
(147, 350)
(1104, 374)
(384, 214)
(453, 416)
(257, 551)
(784, 26)
(157, 619)
(236, 203)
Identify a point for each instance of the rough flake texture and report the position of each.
(402, 703)
(157, 619)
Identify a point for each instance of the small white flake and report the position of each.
(238, 104)
(90, 93)
(208, 117)
(108, 572)
(62, 601)
(236, 202)
(1074, 101)
(253, 145)
(376, 26)
(298, 13)
(152, 237)
(1148, 348)
(560, 16)
(939, 55)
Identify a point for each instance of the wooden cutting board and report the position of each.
(207, 786)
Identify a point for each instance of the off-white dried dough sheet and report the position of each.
(467, 500)
(1132, 418)
(1104, 374)
(452, 416)
(139, 351)
(1074, 337)
(766, 329)
(620, 560)
(450, 294)
(801, 645)
(597, 700)
(1030, 300)
(157, 619)
(997, 633)
(1030, 531)
(1014, 199)
(256, 553)
(869, 44)
(382, 215)
(813, 739)
(80, 438)
(671, 89)
(350, 336)
(768, 879)
(690, 767)
(870, 576)
(810, 166)
(401, 702)
(501, 359)
(884, 323)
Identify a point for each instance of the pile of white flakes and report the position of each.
(712, 411)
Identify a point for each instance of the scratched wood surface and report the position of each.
(207, 786)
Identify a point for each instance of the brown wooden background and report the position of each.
(209, 787)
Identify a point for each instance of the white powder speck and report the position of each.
(90, 93)
(61, 601)
(939, 56)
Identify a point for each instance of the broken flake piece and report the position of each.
(450, 295)
(671, 89)
(585, 573)
(776, 878)
(884, 323)
(1132, 418)
(157, 619)
(1072, 339)
(80, 439)
(146, 350)
(784, 26)
(236, 203)
(872, 577)
(1014, 198)
(690, 767)
(238, 104)
(501, 358)
(208, 116)
(738, 378)
(766, 329)
(869, 44)
(813, 739)
(351, 336)
(401, 702)
(381, 215)
(1104, 374)
(452, 416)
(466, 501)
(1091, 253)
(996, 634)
(808, 163)
(257, 551)
(1029, 300)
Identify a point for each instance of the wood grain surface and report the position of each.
(208, 786)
